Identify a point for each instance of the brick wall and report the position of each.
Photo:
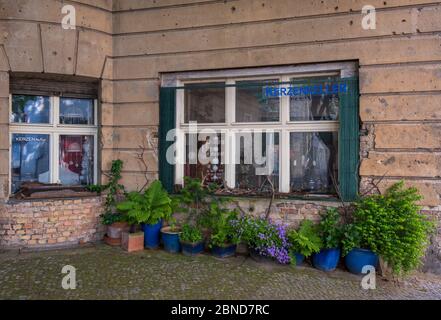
(48, 223)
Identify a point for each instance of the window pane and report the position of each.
(30, 159)
(205, 162)
(76, 160)
(317, 101)
(253, 105)
(30, 109)
(76, 111)
(205, 104)
(252, 166)
(313, 161)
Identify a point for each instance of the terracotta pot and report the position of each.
(112, 241)
(115, 229)
(132, 242)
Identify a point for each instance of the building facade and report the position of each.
(74, 99)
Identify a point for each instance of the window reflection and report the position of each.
(318, 105)
(30, 109)
(254, 171)
(76, 111)
(30, 159)
(313, 160)
(205, 104)
(76, 160)
(252, 105)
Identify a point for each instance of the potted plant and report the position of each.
(223, 238)
(149, 208)
(113, 220)
(115, 224)
(390, 226)
(330, 231)
(266, 240)
(170, 234)
(133, 239)
(192, 241)
(304, 242)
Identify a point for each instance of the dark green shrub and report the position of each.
(330, 229)
(392, 226)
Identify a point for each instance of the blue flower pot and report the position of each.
(170, 240)
(224, 251)
(357, 258)
(326, 259)
(299, 258)
(151, 235)
(192, 249)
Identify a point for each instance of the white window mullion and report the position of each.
(54, 159)
(284, 174)
(230, 156)
(230, 149)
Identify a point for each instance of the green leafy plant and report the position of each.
(114, 189)
(190, 234)
(305, 241)
(392, 226)
(330, 229)
(194, 199)
(148, 207)
(221, 227)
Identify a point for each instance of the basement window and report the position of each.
(53, 134)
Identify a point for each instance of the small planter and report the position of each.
(115, 230)
(357, 258)
(151, 235)
(192, 249)
(170, 239)
(112, 241)
(225, 251)
(299, 258)
(326, 259)
(132, 242)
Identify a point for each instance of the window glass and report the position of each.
(313, 161)
(76, 111)
(76, 159)
(315, 101)
(254, 169)
(253, 105)
(205, 103)
(30, 159)
(30, 109)
(205, 161)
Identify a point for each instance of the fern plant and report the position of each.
(305, 241)
(148, 207)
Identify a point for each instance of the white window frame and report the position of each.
(230, 127)
(54, 129)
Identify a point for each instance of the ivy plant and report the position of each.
(113, 188)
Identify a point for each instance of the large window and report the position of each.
(53, 140)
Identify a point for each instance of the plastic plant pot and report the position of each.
(326, 259)
(358, 258)
(151, 235)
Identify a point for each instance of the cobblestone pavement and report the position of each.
(104, 272)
